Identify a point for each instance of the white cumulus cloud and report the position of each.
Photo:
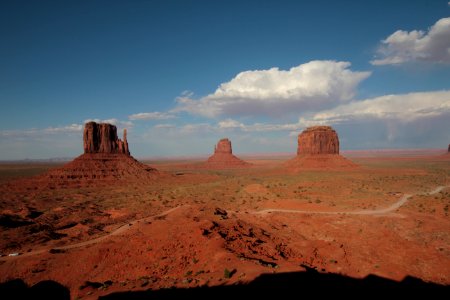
(417, 45)
(151, 116)
(403, 107)
(308, 87)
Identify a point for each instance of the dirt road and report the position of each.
(380, 211)
(125, 227)
(117, 231)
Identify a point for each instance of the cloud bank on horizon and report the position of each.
(254, 105)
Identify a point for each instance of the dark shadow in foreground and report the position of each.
(274, 285)
(46, 289)
(297, 283)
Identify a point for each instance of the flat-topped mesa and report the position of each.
(102, 138)
(318, 140)
(223, 146)
(318, 148)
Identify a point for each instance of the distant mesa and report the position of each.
(318, 148)
(318, 140)
(106, 158)
(223, 157)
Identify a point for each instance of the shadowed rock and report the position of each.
(102, 138)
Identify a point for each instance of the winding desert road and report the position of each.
(380, 211)
(117, 231)
(127, 226)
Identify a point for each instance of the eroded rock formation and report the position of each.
(98, 168)
(106, 158)
(318, 148)
(223, 157)
(318, 140)
(102, 138)
(223, 146)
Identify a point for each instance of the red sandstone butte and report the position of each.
(318, 140)
(223, 157)
(106, 158)
(318, 148)
(102, 138)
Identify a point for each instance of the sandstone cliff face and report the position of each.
(223, 157)
(223, 146)
(318, 140)
(318, 148)
(102, 138)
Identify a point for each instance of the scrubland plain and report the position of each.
(193, 226)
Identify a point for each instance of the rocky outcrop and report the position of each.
(318, 140)
(448, 148)
(123, 145)
(102, 138)
(106, 159)
(223, 146)
(318, 148)
(101, 168)
(223, 157)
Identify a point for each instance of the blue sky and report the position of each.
(180, 75)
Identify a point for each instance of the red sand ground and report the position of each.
(320, 162)
(187, 228)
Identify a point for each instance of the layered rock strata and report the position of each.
(318, 140)
(318, 148)
(102, 138)
(106, 159)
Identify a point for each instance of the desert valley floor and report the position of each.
(191, 226)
